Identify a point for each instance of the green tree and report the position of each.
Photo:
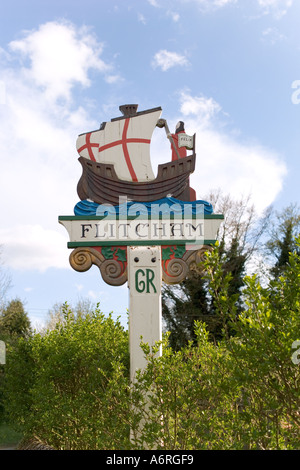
(239, 239)
(70, 387)
(5, 282)
(61, 385)
(261, 353)
(14, 321)
(182, 306)
(56, 314)
(282, 242)
(14, 324)
(241, 393)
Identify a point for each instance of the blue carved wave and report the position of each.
(87, 208)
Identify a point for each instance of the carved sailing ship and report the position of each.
(116, 161)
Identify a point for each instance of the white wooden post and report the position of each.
(144, 282)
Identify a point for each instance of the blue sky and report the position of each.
(225, 67)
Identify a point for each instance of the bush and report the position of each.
(55, 381)
(70, 387)
(242, 393)
(261, 354)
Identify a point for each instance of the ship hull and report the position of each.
(100, 183)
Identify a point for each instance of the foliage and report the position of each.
(285, 227)
(239, 237)
(261, 353)
(186, 398)
(14, 321)
(14, 324)
(182, 306)
(56, 314)
(70, 387)
(8, 437)
(5, 281)
(242, 393)
(55, 381)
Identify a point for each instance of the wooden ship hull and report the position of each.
(100, 183)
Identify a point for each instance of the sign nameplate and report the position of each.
(98, 231)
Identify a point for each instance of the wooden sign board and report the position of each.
(97, 231)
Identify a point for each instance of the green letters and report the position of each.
(142, 285)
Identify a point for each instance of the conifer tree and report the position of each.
(14, 321)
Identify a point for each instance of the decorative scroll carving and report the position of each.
(112, 263)
(114, 274)
(82, 259)
(194, 259)
(176, 269)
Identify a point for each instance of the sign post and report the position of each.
(144, 282)
(136, 227)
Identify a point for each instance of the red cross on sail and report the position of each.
(125, 143)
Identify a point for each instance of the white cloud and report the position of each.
(240, 168)
(38, 128)
(219, 3)
(277, 7)
(60, 56)
(154, 3)
(113, 79)
(272, 36)
(167, 59)
(92, 294)
(33, 247)
(141, 18)
(174, 15)
(209, 5)
(204, 108)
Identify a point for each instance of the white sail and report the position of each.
(125, 143)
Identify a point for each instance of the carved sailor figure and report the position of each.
(181, 151)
